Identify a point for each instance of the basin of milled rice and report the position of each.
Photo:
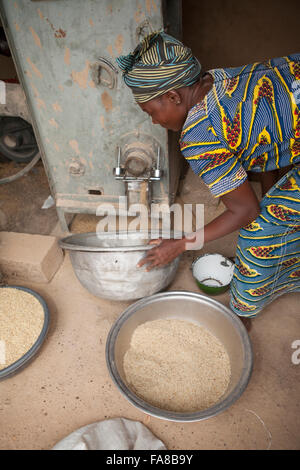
(24, 321)
(179, 356)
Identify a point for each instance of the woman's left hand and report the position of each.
(163, 253)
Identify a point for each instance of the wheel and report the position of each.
(17, 140)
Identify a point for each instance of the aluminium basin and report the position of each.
(200, 310)
(107, 266)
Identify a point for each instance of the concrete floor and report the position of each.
(68, 386)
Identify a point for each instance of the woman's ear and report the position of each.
(174, 97)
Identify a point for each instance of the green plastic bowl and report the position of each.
(213, 273)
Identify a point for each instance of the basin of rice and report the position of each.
(179, 356)
(23, 325)
(176, 365)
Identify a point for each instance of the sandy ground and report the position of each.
(68, 385)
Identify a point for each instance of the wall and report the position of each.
(229, 33)
(225, 33)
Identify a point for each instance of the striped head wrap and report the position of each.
(158, 64)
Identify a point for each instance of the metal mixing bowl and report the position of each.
(25, 360)
(196, 308)
(107, 266)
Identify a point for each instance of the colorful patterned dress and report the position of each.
(250, 121)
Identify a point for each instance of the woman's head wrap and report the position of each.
(158, 64)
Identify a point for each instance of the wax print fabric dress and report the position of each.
(250, 121)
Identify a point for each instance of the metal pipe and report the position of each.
(158, 159)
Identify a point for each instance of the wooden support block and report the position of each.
(29, 257)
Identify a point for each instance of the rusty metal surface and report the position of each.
(80, 109)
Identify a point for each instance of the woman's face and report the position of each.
(166, 110)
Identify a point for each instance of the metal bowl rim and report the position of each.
(20, 363)
(172, 415)
(65, 242)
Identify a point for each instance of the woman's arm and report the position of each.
(242, 207)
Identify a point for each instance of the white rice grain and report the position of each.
(21, 322)
(176, 365)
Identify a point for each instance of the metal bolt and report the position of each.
(76, 168)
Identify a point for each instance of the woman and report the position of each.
(232, 120)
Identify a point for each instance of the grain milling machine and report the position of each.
(95, 142)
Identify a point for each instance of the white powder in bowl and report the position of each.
(176, 365)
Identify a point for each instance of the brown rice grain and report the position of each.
(176, 365)
(21, 322)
